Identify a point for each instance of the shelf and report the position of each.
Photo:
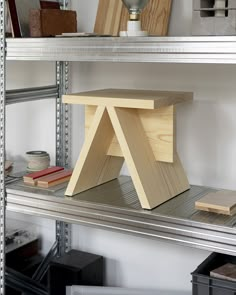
(219, 50)
(31, 94)
(115, 206)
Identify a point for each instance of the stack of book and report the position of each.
(48, 177)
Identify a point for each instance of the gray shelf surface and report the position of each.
(115, 206)
(122, 49)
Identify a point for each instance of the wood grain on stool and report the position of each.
(94, 166)
(119, 127)
(159, 128)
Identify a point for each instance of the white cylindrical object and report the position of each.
(134, 30)
(220, 8)
(37, 160)
(134, 26)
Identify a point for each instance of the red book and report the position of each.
(30, 178)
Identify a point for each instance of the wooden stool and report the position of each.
(135, 125)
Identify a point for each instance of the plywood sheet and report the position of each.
(155, 17)
(108, 17)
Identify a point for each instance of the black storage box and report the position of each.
(203, 284)
(74, 268)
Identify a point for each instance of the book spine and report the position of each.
(14, 19)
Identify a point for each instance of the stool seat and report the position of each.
(127, 98)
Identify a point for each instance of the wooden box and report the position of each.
(51, 22)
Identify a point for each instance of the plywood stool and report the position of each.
(135, 125)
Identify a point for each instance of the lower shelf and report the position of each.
(115, 206)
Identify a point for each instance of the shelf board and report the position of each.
(217, 50)
(115, 206)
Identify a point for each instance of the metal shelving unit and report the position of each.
(113, 205)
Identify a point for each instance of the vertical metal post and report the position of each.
(2, 148)
(63, 148)
(63, 117)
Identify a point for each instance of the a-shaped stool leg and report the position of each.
(94, 166)
(155, 182)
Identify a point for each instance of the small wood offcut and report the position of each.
(137, 126)
(221, 202)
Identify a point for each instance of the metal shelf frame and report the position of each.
(128, 217)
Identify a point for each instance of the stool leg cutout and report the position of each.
(94, 167)
(151, 178)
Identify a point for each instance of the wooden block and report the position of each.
(94, 167)
(51, 22)
(159, 128)
(222, 202)
(54, 179)
(155, 182)
(32, 177)
(108, 17)
(138, 99)
(154, 18)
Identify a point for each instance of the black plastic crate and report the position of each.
(203, 284)
(75, 268)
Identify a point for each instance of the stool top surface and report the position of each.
(128, 98)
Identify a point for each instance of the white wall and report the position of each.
(205, 144)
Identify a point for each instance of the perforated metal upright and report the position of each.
(2, 148)
(63, 230)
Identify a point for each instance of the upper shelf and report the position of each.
(216, 50)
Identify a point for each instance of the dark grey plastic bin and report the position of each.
(203, 284)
